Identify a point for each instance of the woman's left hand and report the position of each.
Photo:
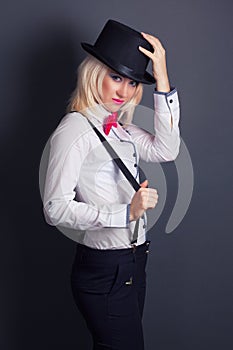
(159, 65)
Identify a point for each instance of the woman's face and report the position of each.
(116, 90)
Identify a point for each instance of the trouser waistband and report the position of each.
(111, 255)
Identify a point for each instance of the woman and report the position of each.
(87, 192)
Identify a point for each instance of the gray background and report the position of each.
(190, 284)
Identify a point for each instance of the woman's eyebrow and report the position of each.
(114, 73)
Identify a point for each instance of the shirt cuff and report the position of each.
(127, 215)
(171, 92)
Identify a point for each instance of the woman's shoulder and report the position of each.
(72, 127)
(74, 119)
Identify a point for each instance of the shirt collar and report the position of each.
(98, 112)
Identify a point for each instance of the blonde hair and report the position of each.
(88, 91)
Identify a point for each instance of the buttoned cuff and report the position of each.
(119, 215)
(166, 102)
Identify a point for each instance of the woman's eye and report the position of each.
(115, 77)
(133, 83)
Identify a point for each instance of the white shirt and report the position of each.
(84, 189)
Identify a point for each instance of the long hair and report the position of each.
(88, 91)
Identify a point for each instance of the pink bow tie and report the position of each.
(110, 121)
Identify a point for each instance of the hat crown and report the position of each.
(117, 47)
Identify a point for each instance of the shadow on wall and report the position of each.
(38, 308)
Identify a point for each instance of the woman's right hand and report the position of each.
(145, 198)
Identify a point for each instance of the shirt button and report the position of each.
(134, 154)
(50, 202)
(171, 101)
(144, 226)
(135, 165)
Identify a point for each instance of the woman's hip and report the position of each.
(104, 271)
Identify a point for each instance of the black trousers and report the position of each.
(109, 290)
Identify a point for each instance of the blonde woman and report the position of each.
(86, 191)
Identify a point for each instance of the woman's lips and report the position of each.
(117, 101)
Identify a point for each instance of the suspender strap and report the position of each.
(122, 167)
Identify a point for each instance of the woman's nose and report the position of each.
(122, 90)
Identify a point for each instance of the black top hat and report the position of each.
(117, 47)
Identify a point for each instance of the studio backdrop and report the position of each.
(189, 302)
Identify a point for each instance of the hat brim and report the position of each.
(147, 78)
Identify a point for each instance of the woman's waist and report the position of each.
(112, 238)
(90, 255)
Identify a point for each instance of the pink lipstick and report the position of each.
(117, 101)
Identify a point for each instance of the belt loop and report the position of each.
(134, 247)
